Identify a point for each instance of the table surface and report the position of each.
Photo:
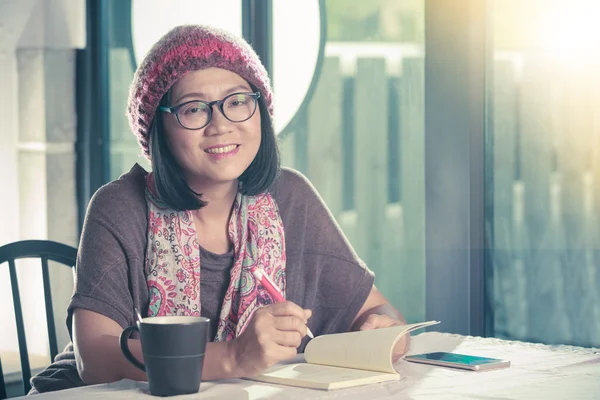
(537, 371)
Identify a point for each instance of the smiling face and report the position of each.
(222, 150)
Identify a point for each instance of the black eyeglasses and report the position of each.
(196, 114)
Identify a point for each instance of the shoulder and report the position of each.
(120, 203)
(127, 190)
(308, 222)
(292, 186)
(116, 220)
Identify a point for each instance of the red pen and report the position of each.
(266, 282)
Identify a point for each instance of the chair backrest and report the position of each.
(44, 250)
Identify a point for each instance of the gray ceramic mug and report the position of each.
(173, 349)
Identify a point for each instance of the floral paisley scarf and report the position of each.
(173, 260)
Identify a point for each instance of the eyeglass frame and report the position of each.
(175, 110)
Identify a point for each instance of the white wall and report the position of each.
(38, 39)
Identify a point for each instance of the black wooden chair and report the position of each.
(44, 250)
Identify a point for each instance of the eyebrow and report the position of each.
(200, 95)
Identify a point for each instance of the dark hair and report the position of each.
(168, 175)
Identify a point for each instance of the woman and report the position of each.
(185, 238)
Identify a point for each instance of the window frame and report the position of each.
(456, 111)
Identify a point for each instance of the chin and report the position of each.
(225, 176)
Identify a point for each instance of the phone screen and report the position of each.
(456, 358)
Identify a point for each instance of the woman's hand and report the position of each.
(376, 321)
(273, 335)
(377, 312)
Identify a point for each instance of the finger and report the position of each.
(284, 352)
(381, 320)
(307, 314)
(290, 323)
(273, 353)
(367, 326)
(387, 321)
(400, 348)
(288, 308)
(288, 338)
(375, 321)
(370, 323)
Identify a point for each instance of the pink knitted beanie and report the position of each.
(183, 49)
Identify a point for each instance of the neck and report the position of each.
(219, 199)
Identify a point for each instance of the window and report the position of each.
(544, 162)
(360, 137)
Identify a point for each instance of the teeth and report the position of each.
(218, 150)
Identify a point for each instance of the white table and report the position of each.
(537, 372)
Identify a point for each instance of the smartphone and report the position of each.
(455, 360)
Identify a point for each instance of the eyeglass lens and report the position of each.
(236, 108)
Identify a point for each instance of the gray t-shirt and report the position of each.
(323, 273)
(214, 281)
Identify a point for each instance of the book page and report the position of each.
(369, 350)
(322, 376)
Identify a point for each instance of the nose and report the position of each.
(218, 124)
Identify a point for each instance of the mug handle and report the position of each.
(123, 341)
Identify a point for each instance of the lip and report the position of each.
(218, 156)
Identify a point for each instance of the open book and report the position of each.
(344, 360)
